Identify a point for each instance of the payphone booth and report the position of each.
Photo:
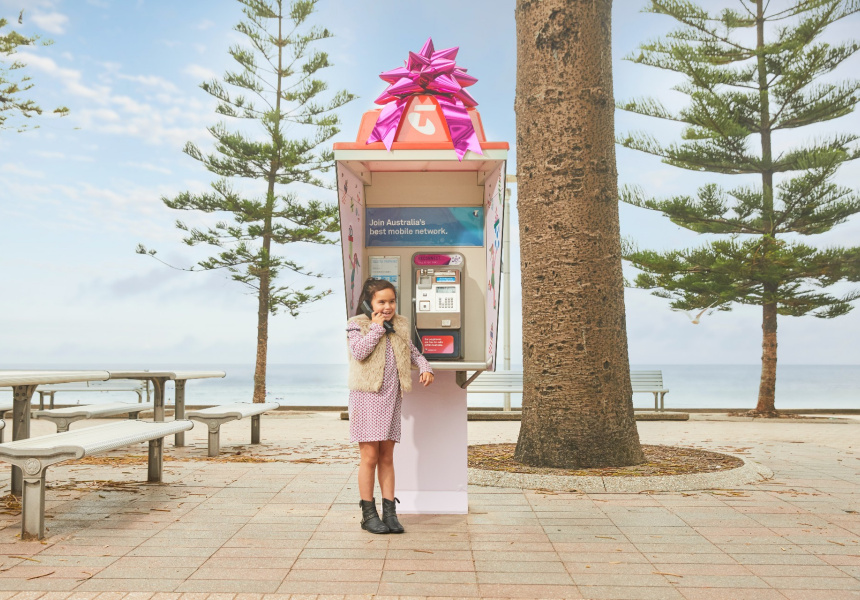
(419, 209)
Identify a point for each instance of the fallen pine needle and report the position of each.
(24, 558)
(42, 575)
(604, 537)
(837, 543)
(662, 573)
(424, 551)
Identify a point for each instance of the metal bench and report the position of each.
(651, 382)
(63, 417)
(216, 416)
(34, 455)
(511, 382)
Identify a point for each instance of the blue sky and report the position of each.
(79, 193)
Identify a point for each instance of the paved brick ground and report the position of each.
(289, 529)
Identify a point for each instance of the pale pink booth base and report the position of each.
(431, 461)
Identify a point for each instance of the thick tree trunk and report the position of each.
(577, 400)
(766, 406)
(262, 339)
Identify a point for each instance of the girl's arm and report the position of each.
(418, 360)
(362, 347)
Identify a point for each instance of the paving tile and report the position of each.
(619, 580)
(729, 594)
(333, 564)
(260, 574)
(429, 576)
(609, 592)
(514, 557)
(813, 583)
(326, 575)
(228, 585)
(794, 570)
(131, 585)
(610, 568)
(355, 588)
(821, 594)
(428, 565)
(497, 590)
(396, 588)
(114, 572)
(540, 578)
(531, 566)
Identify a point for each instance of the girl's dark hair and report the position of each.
(369, 289)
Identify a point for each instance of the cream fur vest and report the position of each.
(366, 375)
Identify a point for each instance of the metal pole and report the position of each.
(506, 288)
(22, 396)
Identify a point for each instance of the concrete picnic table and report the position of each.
(159, 379)
(23, 384)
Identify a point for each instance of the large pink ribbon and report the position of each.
(434, 73)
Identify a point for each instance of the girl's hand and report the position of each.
(378, 318)
(426, 378)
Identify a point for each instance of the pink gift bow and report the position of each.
(429, 72)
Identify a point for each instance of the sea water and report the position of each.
(690, 386)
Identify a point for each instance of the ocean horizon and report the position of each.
(690, 386)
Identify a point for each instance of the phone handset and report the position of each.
(368, 311)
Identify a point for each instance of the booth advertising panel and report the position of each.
(425, 226)
(351, 193)
(494, 201)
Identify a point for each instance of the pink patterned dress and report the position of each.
(375, 416)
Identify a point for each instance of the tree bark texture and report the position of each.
(767, 387)
(577, 398)
(262, 340)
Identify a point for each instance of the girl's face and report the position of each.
(385, 303)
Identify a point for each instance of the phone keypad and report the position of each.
(445, 303)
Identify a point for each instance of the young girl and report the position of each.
(379, 371)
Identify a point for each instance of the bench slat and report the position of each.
(95, 410)
(90, 440)
(238, 410)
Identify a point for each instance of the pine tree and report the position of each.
(12, 86)
(749, 73)
(277, 71)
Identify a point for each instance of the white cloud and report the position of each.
(150, 80)
(147, 167)
(64, 156)
(71, 78)
(53, 22)
(123, 115)
(199, 72)
(205, 24)
(19, 169)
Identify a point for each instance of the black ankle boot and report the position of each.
(370, 520)
(389, 515)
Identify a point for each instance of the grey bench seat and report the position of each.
(511, 382)
(63, 417)
(34, 455)
(215, 416)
